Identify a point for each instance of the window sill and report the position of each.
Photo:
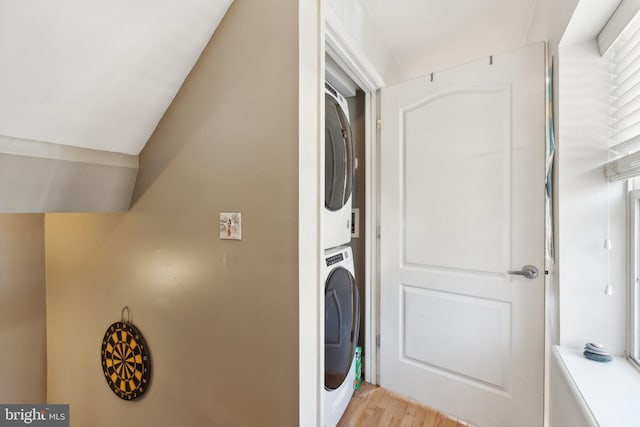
(607, 393)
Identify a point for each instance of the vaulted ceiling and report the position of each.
(97, 75)
(83, 85)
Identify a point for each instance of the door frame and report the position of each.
(321, 32)
(352, 61)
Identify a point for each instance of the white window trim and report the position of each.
(633, 329)
(621, 17)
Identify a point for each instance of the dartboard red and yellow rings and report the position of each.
(125, 361)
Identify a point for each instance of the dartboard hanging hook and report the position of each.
(122, 319)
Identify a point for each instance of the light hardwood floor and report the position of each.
(373, 406)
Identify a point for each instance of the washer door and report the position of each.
(341, 326)
(338, 169)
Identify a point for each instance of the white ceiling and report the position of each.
(97, 74)
(429, 35)
(100, 75)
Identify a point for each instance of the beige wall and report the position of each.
(37, 177)
(220, 317)
(22, 309)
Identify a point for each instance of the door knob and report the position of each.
(528, 271)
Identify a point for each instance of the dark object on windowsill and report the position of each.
(596, 352)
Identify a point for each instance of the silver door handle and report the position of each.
(528, 271)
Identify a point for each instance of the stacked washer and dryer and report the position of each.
(342, 310)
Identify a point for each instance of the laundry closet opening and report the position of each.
(344, 240)
(355, 98)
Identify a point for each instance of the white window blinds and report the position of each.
(625, 103)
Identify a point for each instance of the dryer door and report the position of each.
(338, 156)
(341, 324)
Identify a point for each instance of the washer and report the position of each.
(339, 166)
(341, 328)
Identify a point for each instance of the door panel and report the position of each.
(452, 232)
(462, 203)
(431, 318)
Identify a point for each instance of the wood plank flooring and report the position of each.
(373, 406)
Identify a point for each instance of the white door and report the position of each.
(462, 204)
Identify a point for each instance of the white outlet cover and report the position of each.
(230, 226)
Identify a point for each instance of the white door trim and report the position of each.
(372, 288)
(310, 205)
(340, 46)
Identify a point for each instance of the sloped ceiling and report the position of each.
(429, 35)
(97, 74)
(83, 85)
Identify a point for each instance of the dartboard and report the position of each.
(125, 360)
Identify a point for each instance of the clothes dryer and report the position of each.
(342, 323)
(339, 170)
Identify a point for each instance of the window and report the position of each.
(623, 46)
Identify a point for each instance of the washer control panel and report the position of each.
(334, 259)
